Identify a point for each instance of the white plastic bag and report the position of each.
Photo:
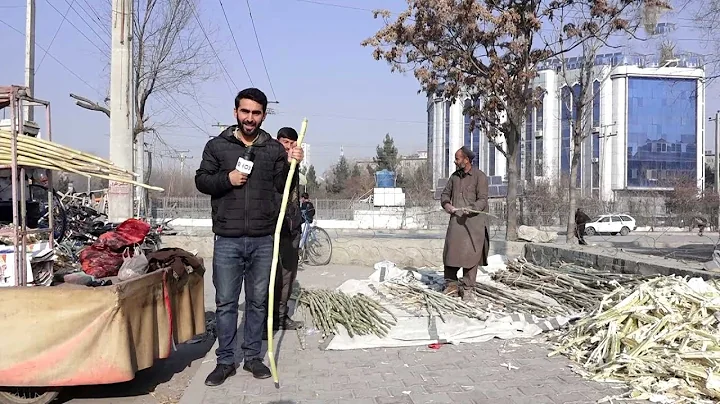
(133, 266)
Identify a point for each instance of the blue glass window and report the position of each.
(596, 145)
(529, 137)
(467, 138)
(596, 104)
(577, 103)
(662, 131)
(539, 157)
(566, 118)
(446, 157)
(476, 137)
(539, 119)
(491, 159)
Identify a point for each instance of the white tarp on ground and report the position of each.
(414, 329)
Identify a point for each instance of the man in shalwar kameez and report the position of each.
(467, 241)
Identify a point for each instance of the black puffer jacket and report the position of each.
(251, 209)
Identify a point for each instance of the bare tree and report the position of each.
(485, 50)
(170, 56)
(587, 26)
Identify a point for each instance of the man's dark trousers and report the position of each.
(238, 259)
(285, 276)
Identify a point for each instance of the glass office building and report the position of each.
(644, 130)
(662, 131)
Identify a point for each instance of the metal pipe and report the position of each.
(15, 116)
(49, 175)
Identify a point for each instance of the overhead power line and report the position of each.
(104, 52)
(57, 31)
(222, 65)
(232, 34)
(252, 20)
(56, 60)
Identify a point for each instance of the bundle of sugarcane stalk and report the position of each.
(358, 314)
(34, 152)
(412, 297)
(577, 289)
(515, 300)
(662, 338)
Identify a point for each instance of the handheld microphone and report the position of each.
(245, 162)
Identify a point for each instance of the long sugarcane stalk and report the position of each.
(49, 155)
(47, 145)
(276, 253)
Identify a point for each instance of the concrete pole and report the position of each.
(717, 160)
(29, 57)
(140, 171)
(120, 196)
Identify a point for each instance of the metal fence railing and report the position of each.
(426, 215)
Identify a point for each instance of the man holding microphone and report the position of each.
(243, 170)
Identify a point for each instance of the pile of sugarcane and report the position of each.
(34, 152)
(415, 299)
(662, 338)
(358, 314)
(515, 300)
(577, 289)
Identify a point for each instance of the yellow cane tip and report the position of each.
(277, 385)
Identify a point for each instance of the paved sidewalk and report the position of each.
(516, 371)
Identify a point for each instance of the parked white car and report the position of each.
(613, 224)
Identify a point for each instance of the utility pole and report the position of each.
(120, 196)
(29, 58)
(139, 164)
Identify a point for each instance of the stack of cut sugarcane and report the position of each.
(358, 314)
(575, 288)
(415, 299)
(662, 338)
(40, 153)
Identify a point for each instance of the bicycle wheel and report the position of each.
(319, 247)
(39, 193)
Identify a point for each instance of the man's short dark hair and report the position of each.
(287, 133)
(253, 94)
(305, 195)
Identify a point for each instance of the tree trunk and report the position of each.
(512, 213)
(571, 238)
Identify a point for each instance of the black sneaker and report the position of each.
(290, 324)
(257, 368)
(219, 375)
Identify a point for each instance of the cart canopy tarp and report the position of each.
(69, 335)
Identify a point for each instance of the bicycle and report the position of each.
(39, 193)
(313, 240)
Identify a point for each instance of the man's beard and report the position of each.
(460, 166)
(251, 134)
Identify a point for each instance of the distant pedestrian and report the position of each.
(581, 219)
(467, 241)
(701, 223)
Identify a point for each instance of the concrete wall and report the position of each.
(612, 260)
(364, 251)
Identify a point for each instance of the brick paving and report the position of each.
(497, 371)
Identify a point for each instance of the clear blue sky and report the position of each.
(315, 61)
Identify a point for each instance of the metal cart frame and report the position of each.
(17, 98)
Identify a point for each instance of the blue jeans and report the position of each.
(236, 259)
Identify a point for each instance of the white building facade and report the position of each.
(306, 163)
(646, 128)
